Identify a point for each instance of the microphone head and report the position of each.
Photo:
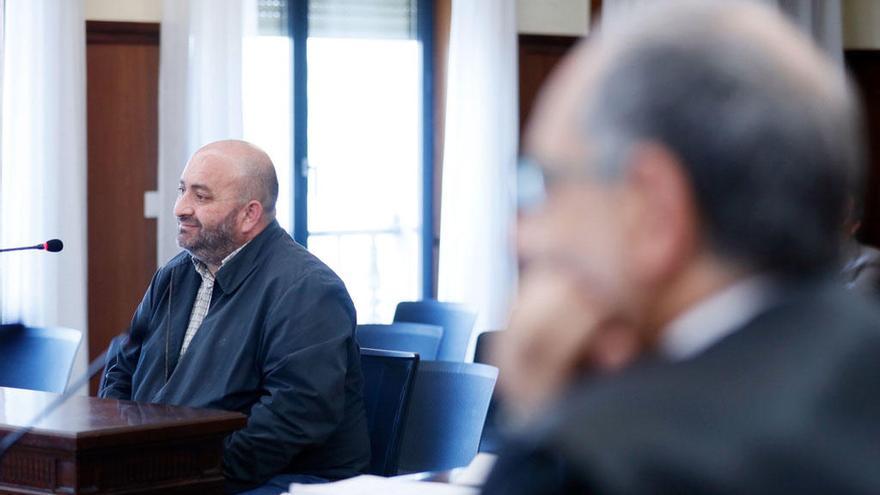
(53, 245)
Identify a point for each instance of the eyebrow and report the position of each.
(197, 187)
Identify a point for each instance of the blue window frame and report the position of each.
(298, 28)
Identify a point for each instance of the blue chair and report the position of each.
(401, 336)
(446, 415)
(388, 383)
(37, 358)
(492, 433)
(455, 320)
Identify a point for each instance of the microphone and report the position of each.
(52, 246)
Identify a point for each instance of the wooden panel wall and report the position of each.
(538, 56)
(122, 60)
(864, 66)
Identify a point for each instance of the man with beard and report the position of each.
(245, 319)
(680, 326)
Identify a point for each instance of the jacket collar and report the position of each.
(233, 273)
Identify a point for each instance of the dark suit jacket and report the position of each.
(862, 270)
(790, 403)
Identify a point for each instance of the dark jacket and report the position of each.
(789, 403)
(277, 344)
(862, 270)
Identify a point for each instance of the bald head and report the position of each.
(762, 123)
(252, 169)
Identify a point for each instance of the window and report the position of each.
(266, 93)
(359, 153)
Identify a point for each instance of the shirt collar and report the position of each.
(202, 268)
(715, 317)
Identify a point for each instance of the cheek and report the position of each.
(593, 242)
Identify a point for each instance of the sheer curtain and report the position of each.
(200, 91)
(43, 165)
(224, 74)
(477, 266)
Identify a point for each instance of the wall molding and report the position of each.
(113, 32)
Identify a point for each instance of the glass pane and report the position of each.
(266, 108)
(364, 198)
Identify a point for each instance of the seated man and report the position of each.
(681, 327)
(247, 320)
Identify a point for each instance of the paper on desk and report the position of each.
(371, 485)
(475, 473)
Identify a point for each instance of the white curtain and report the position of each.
(820, 19)
(43, 165)
(477, 265)
(200, 91)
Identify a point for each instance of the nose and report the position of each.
(182, 207)
(532, 238)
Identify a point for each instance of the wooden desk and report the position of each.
(97, 446)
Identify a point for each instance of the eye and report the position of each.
(201, 197)
(180, 190)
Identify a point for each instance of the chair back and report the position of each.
(37, 358)
(388, 383)
(420, 338)
(446, 415)
(113, 350)
(492, 436)
(455, 320)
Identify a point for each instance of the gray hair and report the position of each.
(261, 183)
(765, 126)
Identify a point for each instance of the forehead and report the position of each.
(557, 135)
(211, 170)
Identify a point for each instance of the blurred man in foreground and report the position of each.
(680, 328)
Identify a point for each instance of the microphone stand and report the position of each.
(52, 246)
(94, 367)
(6, 250)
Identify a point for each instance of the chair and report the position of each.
(446, 415)
(402, 336)
(116, 345)
(492, 435)
(388, 381)
(457, 323)
(37, 358)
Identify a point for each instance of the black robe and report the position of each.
(277, 344)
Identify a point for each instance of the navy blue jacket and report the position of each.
(277, 344)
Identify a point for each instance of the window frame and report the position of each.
(298, 31)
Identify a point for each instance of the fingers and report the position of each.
(550, 336)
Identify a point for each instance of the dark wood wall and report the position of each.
(122, 63)
(864, 66)
(538, 56)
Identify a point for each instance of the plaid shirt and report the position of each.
(203, 298)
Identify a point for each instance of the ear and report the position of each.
(253, 216)
(664, 230)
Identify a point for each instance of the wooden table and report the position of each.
(98, 446)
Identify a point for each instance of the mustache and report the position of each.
(188, 220)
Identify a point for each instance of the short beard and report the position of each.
(211, 246)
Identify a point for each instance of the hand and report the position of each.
(558, 330)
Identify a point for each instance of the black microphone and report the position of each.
(52, 246)
(94, 367)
